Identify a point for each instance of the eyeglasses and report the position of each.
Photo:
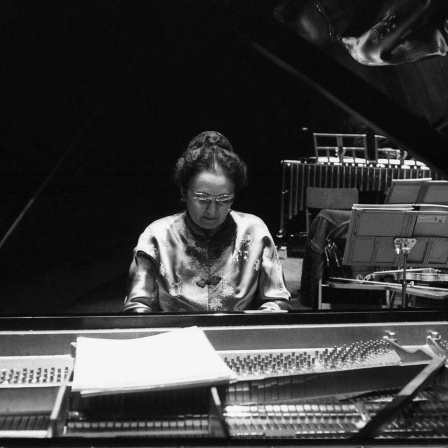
(205, 199)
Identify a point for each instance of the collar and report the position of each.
(200, 233)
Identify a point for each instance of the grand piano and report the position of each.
(105, 98)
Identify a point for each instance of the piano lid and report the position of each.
(101, 98)
(400, 98)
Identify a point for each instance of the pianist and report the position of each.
(207, 257)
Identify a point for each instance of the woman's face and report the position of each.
(209, 198)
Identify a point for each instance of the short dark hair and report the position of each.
(210, 151)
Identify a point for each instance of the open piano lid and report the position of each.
(47, 253)
(332, 80)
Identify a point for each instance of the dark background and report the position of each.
(99, 99)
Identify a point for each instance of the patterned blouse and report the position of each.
(180, 267)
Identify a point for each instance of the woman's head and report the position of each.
(210, 151)
(209, 174)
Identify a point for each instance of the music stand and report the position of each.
(418, 191)
(397, 236)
